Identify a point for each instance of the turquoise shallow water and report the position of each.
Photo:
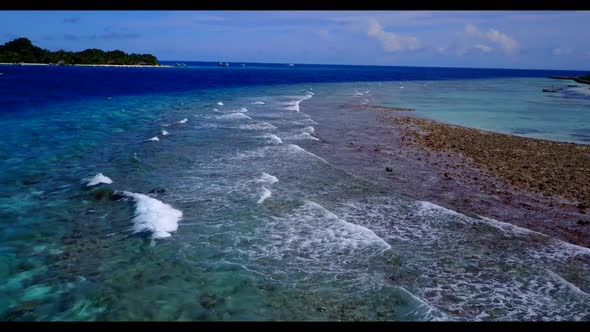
(269, 231)
(515, 106)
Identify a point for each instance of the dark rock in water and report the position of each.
(583, 222)
(388, 169)
(207, 302)
(582, 206)
(31, 181)
(101, 194)
(157, 191)
(322, 309)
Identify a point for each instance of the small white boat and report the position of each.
(291, 65)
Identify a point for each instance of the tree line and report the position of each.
(22, 50)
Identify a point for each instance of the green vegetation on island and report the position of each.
(583, 79)
(22, 50)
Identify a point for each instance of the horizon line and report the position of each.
(365, 65)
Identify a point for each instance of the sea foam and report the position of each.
(154, 216)
(258, 103)
(153, 139)
(165, 133)
(219, 103)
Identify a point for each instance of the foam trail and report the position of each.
(153, 139)
(234, 116)
(258, 103)
(154, 216)
(98, 179)
(274, 138)
(266, 193)
(219, 103)
(165, 133)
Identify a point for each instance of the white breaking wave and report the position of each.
(234, 116)
(98, 179)
(267, 178)
(426, 208)
(215, 110)
(309, 129)
(274, 138)
(258, 103)
(154, 216)
(219, 103)
(293, 105)
(242, 110)
(153, 139)
(258, 126)
(307, 121)
(165, 133)
(306, 135)
(358, 229)
(266, 193)
(297, 149)
(183, 121)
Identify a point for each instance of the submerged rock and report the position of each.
(101, 194)
(157, 191)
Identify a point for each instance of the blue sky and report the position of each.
(498, 39)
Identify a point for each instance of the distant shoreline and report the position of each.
(84, 65)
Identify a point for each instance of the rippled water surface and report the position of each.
(229, 216)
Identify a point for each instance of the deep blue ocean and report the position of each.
(191, 194)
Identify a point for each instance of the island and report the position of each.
(583, 79)
(22, 50)
(580, 79)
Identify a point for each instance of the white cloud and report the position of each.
(562, 51)
(508, 43)
(390, 41)
(483, 48)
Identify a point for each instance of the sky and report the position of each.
(484, 39)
